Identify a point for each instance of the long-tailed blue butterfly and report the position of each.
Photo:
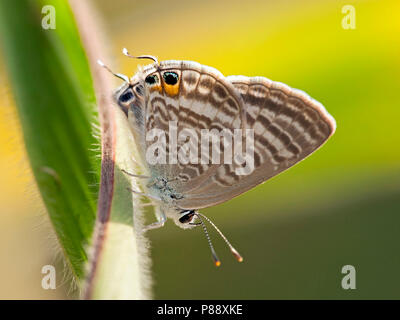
(286, 126)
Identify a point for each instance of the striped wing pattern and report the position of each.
(288, 126)
(203, 100)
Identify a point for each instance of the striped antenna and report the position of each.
(217, 262)
(125, 52)
(233, 250)
(118, 75)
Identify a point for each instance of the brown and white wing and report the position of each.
(202, 99)
(288, 126)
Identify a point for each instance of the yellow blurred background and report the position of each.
(339, 207)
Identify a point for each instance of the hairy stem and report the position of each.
(118, 265)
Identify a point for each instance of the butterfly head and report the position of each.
(130, 95)
(161, 77)
(152, 78)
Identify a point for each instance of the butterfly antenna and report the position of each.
(118, 75)
(217, 262)
(233, 250)
(125, 52)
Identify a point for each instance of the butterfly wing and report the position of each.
(288, 126)
(201, 99)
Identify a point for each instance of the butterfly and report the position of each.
(286, 126)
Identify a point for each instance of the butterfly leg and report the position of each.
(135, 175)
(158, 224)
(149, 204)
(144, 194)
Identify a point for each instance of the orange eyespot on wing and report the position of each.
(153, 82)
(171, 81)
(172, 91)
(156, 88)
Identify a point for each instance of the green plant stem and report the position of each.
(118, 267)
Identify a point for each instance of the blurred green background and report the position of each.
(339, 207)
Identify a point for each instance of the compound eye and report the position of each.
(150, 80)
(170, 78)
(126, 96)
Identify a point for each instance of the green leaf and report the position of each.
(55, 99)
